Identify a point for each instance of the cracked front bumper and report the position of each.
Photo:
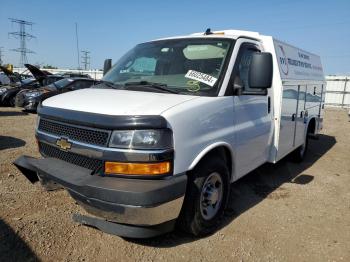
(131, 202)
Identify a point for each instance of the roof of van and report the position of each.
(231, 33)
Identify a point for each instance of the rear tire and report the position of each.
(206, 197)
(299, 154)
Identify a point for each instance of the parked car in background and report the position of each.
(9, 91)
(41, 78)
(8, 77)
(72, 74)
(4, 79)
(29, 99)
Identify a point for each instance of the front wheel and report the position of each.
(206, 197)
(12, 101)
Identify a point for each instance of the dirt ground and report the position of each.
(282, 212)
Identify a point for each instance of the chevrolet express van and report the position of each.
(174, 122)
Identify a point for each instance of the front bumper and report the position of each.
(26, 103)
(30, 105)
(130, 202)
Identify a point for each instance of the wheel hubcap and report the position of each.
(211, 196)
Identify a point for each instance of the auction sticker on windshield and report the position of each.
(201, 77)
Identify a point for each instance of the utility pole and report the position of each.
(78, 53)
(85, 59)
(1, 55)
(23, 36)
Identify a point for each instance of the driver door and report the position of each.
(252, 116)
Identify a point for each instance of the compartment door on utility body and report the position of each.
(300, 124)
(252, 115)
(292, 127)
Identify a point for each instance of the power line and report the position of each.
(85, 59)
(24, 37)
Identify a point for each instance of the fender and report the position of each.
(208, 149)
(5, 97)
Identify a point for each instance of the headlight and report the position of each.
(2, 90)
(142, 139)
(33, 94)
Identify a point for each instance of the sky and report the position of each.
(108, 29)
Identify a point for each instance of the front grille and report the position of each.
(79, 160)
(81, 134)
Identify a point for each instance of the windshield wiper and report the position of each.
(111, 84)
(147, 84)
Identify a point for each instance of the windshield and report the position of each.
(61, 83)
(185, 66)
(28, 80)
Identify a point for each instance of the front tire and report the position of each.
(206, 197)
(12, 101)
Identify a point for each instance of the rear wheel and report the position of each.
(299, 154)
(206, 197)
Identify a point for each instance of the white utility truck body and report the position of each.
(240, 125)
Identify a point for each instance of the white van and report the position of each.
(174, 122)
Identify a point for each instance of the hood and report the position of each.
(116, 102)
(36, 72)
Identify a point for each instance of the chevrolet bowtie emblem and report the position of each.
(63, 143)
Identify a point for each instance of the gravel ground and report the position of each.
(282, 212)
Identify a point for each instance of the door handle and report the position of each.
(293, 117)
(268, 105)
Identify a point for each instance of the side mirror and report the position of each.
(260, 71)
(107, 65)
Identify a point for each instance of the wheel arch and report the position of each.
(221, 148)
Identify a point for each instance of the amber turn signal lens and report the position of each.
(137, 168)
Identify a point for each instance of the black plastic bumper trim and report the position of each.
(124, 230)
(28, 170)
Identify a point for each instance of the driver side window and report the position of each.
(240, 73)
(243, 66)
